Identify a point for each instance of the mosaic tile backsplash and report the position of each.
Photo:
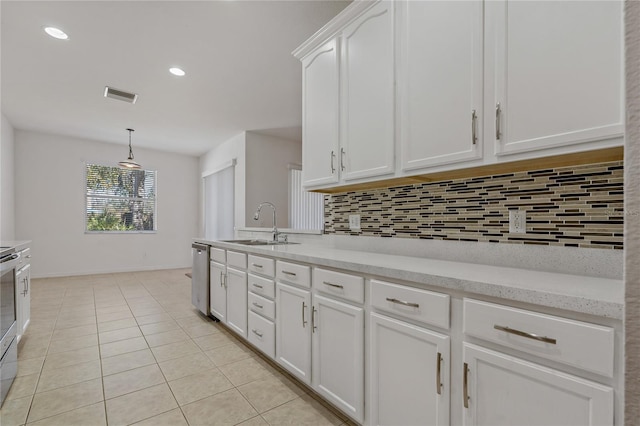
(578, 206)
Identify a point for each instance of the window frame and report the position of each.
(103, 232)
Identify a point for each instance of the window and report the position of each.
(120, 200)
(306, 209)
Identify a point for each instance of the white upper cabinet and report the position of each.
(320, 111)
(367, 69)
(439, 82)
(554, 73)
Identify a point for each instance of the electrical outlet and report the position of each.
(354, 222)
(517, 221)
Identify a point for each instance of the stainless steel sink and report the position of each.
(258, 242)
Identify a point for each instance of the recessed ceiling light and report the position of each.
(177, 71)
(56, 33)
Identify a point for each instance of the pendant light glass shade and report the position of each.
(129, 163)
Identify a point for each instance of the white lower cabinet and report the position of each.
(218, 291)
(499, 389)
(23, 299)
(293, 330)
(338, 354)
(262, 334)
(408, 374)
(236, 284)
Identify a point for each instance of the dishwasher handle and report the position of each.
(199, 246)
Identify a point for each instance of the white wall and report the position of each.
(268, 158)
(233, 149)
(50, 206)
(7, 198)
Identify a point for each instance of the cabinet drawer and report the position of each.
(236, 259)
(421, 305)
(25, 258)
(579, 344)
(263, 306)
(293, 273)
(350, 287)
(262, 286)
(218, 255)
(262, 265)
(262, 334)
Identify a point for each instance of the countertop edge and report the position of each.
(575, 303)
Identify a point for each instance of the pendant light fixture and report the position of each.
(129, 163)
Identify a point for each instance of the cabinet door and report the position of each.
(320, 111)
(507, 391)
(408, 374)
(293, 330)
(218, 291)
(367, 138)
(237, 301)
(440, 82)
(338, 354)
(557, 67)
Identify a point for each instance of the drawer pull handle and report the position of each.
(525, 334)
(465, 385)
(257, 305)
(402, 302)
(256, 285)
(256, 265)
(293, 274)
(332, 284)
(438, 371)
(256, 332)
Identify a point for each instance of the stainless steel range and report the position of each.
(8, 327)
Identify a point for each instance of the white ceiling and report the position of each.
(237, 56)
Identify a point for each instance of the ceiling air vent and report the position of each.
(110, 92)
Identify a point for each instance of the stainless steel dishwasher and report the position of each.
(200, 277)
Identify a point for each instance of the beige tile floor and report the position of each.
(120, 349)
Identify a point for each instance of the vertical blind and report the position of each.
(306, 209)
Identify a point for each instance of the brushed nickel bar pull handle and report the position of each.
(332, 284)
(293, 274)
(257, 305)
(304, 322)
(474, 119)
(256, 285)
(313, 319)
(465, 385)
(525, 334)
(342, 159)
(333, 155)
(498, 121)
(257, 265)
(256, 332)
(438, 371)
(221, 279)
(402, 302)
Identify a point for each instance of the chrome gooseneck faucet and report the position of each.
(256, 216)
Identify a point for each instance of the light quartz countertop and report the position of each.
(584, 294)
(17, 245)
